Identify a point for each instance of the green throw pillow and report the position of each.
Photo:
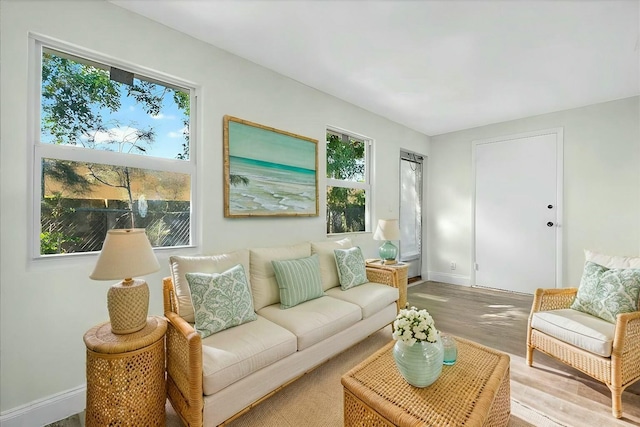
(220, 301)
(605, 292)
(351, 267)
(298, 280)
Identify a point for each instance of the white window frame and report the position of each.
(41, 150)
(366, 185)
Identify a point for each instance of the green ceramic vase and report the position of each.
(420, 364)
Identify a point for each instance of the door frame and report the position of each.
(559, 133)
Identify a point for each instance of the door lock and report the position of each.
(549, 224)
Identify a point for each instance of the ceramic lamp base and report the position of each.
(128, 304)
(388, 252)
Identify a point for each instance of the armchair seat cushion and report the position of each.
(315, 320)
(371, 297)
(579, 329)
(234, 353)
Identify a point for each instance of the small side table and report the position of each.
(390, 274)
(125, 376)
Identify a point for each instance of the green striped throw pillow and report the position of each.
(298, 280)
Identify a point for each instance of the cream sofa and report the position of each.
(213, 380)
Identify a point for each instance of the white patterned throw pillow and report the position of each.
(180, 265)
(220, 300)
(606, 292)
(351, 267)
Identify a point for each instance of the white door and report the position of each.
(517, 211)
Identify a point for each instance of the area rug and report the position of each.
(540, 397)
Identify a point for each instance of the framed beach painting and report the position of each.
(268, 172)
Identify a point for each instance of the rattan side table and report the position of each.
(395, 275)
(125, 376)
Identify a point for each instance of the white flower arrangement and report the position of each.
(413, 325)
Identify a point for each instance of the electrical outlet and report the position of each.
(453, 265)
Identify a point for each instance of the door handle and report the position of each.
(549, 224)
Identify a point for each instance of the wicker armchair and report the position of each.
(618, 371)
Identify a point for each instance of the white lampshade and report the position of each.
(125, 254)
(388, 229)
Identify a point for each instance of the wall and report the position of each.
(601, 187)
(47, 306)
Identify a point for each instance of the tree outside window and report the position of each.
(348, 185)
(102, 131)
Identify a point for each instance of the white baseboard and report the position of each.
(46, 411)
(454, 279)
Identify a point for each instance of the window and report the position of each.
(111, 150)
(348, 183)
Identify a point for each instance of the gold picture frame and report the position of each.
(268, 172)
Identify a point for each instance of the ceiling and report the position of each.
(434, 66)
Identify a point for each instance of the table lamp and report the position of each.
(126, 253)
(387, 230)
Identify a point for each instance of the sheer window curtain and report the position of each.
(411, 210)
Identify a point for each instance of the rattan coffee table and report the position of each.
(473, 392)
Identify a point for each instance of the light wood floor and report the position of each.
(494, 318)
(499, 320)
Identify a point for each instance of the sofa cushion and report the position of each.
(264, 286)
(298, 280)
(232, 354)
(371, 297)
(315, 320)
(180, 265)
(328, 268)
(221, 301)
(579, 329)
(351, 267)
(607, 292)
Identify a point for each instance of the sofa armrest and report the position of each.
(169, 296)
(184, 368)
(184, 363)
(386, 276)
(625, 356)
(390, 276)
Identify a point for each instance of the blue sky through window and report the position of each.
(168, 125)
(120, 126)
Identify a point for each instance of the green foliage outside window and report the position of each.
(345, 158)
(82, 106)
(345, 205)
(78, 100)
(52, 239)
